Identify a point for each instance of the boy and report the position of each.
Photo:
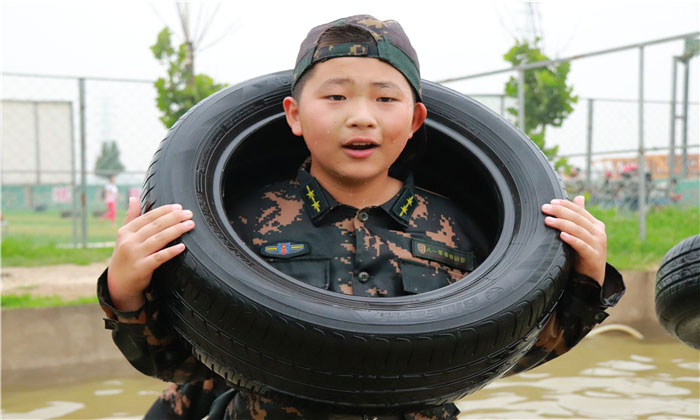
(356, 101)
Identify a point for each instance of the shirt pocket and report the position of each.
(314, 272)
(419, 278)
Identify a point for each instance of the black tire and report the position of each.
(678, 291)
(267, 332)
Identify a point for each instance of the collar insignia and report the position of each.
(404, 206)
(314, 199)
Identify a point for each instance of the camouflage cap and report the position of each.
(391, 45)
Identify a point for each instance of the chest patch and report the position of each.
(285, 249)
(435, 251)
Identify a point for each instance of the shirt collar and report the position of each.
(402, 205)
(319, 202)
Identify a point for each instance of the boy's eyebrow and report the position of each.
(347, 81)
(336, 81)
(387, 84)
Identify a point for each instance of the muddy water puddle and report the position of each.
(606, 376)
(125, 398)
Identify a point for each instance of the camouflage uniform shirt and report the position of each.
(416, 242)
(413, 243)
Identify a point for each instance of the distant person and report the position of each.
(675, 197)
(110, 195)
(575, 184)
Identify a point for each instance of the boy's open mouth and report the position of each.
(360, 146)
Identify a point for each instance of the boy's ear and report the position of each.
(291, 111)
(420, 112)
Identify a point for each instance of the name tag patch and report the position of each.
(285, 249)
(435, 251)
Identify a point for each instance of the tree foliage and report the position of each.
(181, 89)
(548, 99)
(108, 162)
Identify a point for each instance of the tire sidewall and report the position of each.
(526, 251)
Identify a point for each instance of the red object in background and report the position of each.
(111, 212)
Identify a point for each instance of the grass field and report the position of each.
(665, 228)
(33, 239)
(28, 301)
(41, 238)
(50, 225)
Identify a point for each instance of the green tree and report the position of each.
(548, 99)
(108, 162)
(181, 89)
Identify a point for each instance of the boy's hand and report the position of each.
(139, 250)
(583, 232)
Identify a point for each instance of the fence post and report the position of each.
(641, 170)
(83, 188)
(672, 134)
(589, 144)
(684, 152)
(74, 195)
(37, 143)
(521, 99)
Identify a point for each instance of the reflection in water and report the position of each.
(101, 392)
(603, 377)
(53, 410)
(126, 398)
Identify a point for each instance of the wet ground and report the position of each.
(607, 376)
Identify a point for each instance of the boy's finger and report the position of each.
(570, 212)
(579, 207)
(574, 208)
(152, 215)
(157, 241)
(134, 210)
(162, 223)
(157, 259)
(570, 228)
(583, 249)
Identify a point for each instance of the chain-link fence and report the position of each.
(600, 138)
(53, 130)
(632, 154)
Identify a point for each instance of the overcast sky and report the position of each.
(452, 38)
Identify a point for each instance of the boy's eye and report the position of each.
(335, 97)
(386, 99)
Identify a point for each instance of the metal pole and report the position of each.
(538, 64)
(640, 165)
(589, 144)
(521, 99)
(37, 144)
(83, 182)
(74, 195)
(618, 151)
(684, 135)
(503, 105)
(672, 135)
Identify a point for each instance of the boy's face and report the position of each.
(356, 115)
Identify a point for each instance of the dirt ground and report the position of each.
(69, 281)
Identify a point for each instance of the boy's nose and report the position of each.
(360, 116)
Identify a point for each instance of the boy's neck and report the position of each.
(359, 194)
